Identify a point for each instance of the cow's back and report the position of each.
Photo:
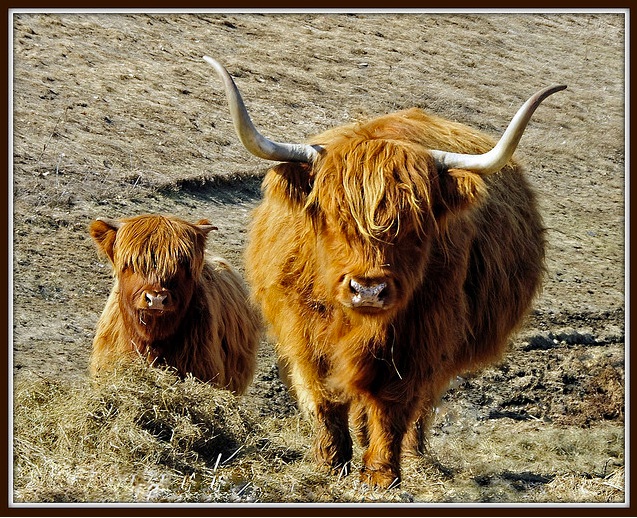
(506, 239)
(280, 252)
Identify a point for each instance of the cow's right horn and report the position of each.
(495, 159)
(253, 141)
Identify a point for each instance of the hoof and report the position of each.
(380, 478)
(333, 459)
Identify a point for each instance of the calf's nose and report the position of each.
(155, 299)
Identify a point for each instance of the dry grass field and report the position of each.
(117, 114)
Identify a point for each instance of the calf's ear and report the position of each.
(103, 232)
(205, 226)
(460, 189)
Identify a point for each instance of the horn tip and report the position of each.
(219, 68)
(555, 88)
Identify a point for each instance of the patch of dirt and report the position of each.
(117, 114)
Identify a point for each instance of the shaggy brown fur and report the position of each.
(171, 305)
(461, 256)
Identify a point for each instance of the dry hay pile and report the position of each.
(145, 435)
(142, 434)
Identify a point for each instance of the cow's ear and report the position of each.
(205, 226)
(290, 182)
(103, 232)
(460, 189)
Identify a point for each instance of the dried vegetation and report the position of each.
(117, 114)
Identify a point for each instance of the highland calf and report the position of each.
(171, 305)
(389, 257)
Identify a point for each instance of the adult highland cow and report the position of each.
(171, 305)
(388, 257)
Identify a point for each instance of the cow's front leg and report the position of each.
(358, 413)
(415, 442)
(386, 428)
(332, 442)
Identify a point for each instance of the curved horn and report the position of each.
(495, 159)
(253, 141)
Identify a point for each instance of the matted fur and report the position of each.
(461, 253)
(209, 327)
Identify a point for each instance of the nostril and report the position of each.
(377, 290)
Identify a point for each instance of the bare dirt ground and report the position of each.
(116, 115)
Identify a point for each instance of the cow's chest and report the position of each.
(362, 358)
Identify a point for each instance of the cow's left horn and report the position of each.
(495, 159)
(253, 141)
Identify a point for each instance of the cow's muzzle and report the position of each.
(368, 293)
(371, 296)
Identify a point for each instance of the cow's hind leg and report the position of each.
(333, 443)
(415, 442)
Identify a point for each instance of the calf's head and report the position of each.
(157, 261)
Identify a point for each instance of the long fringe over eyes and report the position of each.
(159, 247)
(384, 185)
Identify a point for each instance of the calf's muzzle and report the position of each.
(156, 299)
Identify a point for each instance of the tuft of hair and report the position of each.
(387, 176)
(394, 179)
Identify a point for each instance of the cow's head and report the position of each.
(375, 196)
(156, 261)
(375, 204)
